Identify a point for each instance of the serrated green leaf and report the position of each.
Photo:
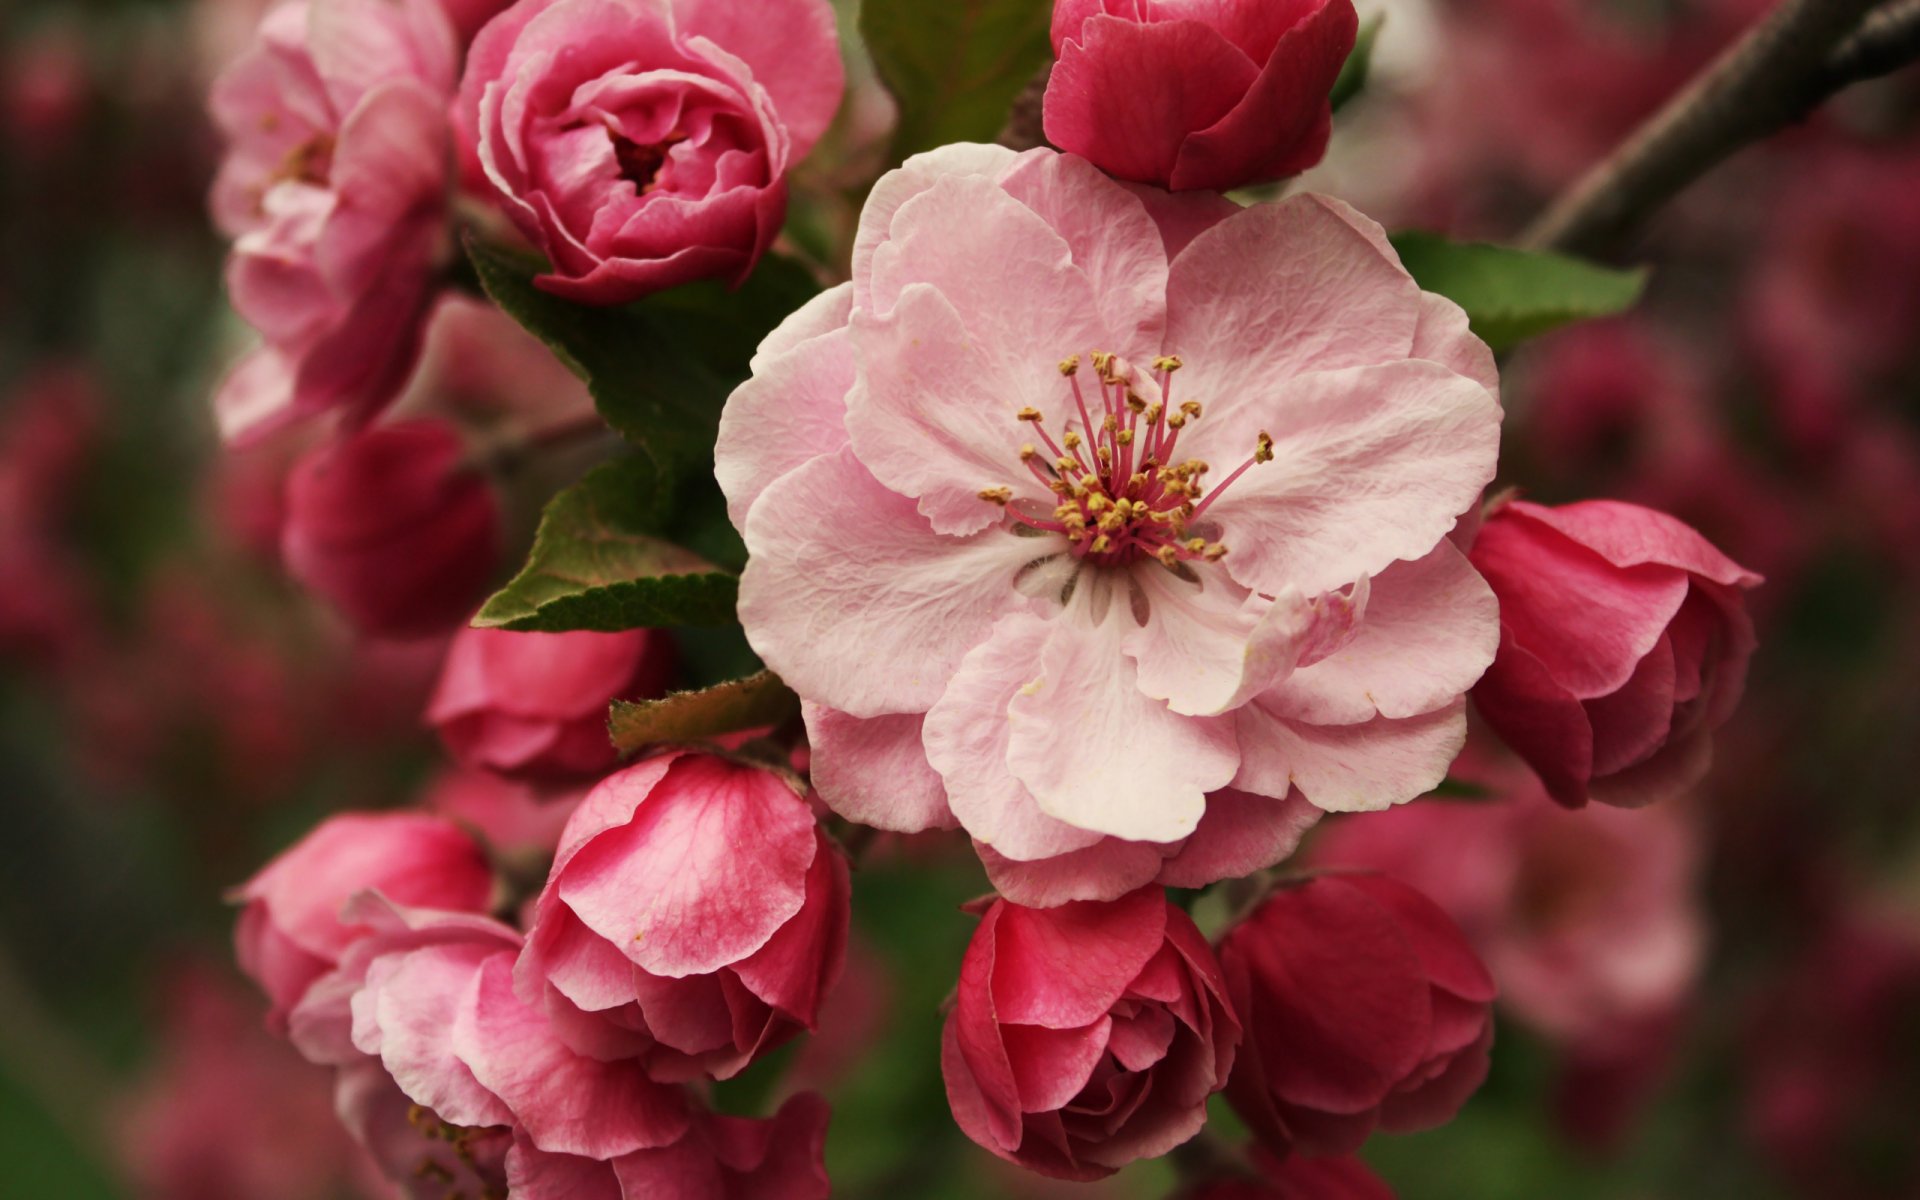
(660, 370)
(689, 716)
(954, 66)
(598, 564)
(1352, 79)
(1511, 295)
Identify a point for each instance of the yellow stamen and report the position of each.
(1264, 451)
(997, 495)
(1070, 365)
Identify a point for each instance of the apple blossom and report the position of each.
(695, 917)
(534, 705)
(394, 527)
(1364, 1007)
(293, 929)
(1197, 93)
(987, 546)
(1086, 1036)
(335, 183)
(1623, 644)
(645, 143)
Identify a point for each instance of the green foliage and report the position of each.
(660, 369)
(955, 66)
(729, 707)
(597, 564)
(1511, 295)
(1353, 73)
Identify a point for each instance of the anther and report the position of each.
(1124, 437)
(1216, 552)
(1136, 403)
(1168, 363)
(997, 495)
(1197, 545)
(1070, 365)
(1176, 420)
(1029, 414)
(1264, 451)
(1029, 452)
(1169, 557)
(1192, 409)
(1072, 440)
(1100, 545)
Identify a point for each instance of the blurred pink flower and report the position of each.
(1364, 1007)
(695, 911)
(1297, 1178)
(1071, 658)
(534, 705)
(516, 819)
(1191, 95)
(293, 929)
(1088, 1036)
(338, 166)
(1623, 645)
(394, 527)
(645, 143)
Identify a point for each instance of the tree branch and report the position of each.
(1775, 75)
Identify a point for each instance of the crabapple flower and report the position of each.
(1086, 1036)
(393, 528)
(293, 931)
(421, 1155)
(1364, 1006)
(645, 143)
(1587, 919)
(1623, 645)
(335, 184)
(534, 705)
(725, 1158)
(1079, 504)
(1192, 95)
(695, 916)
(429, 996)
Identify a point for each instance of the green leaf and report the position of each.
(689, 716)
(597, 564)
(661, 369)
(1511, 295)
(1352, 79)
(955, 66)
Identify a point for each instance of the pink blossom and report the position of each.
(1587, 919)
(718, 1158)
(534, 705)
(293, 930)
(1623, 645)
(429, 996)
(516, 819)
(695, 911)
(393, 526)
(1087, 1036)
(338, 165)
(983, 643)
(1364, 1007)
(1197, 94)
(645, 143)
(423, 1156)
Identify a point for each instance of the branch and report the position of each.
(1775, 75)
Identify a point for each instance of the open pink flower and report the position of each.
(292, 930)
(339, 161)
(987, 548)
(1364, 1007)
(694, 918)
(1087, 1036)
(1623, 645)
(1197, 93)
(645, 143)
(718, 1158)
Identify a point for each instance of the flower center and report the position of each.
(1125, 493)
(309, 162)
(640, 165)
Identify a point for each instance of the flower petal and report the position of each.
(1348, 768)
(874, 770)
(792, 410)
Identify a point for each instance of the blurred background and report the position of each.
(1719, 999)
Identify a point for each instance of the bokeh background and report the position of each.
(173, 711)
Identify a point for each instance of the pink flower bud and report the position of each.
(695, 917)
(1067, 1018)
(292, 930)
(1623, 645)
(1188, 96)
(534, 705)
(394, 528)
(642, 144)
(1364, 1007)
